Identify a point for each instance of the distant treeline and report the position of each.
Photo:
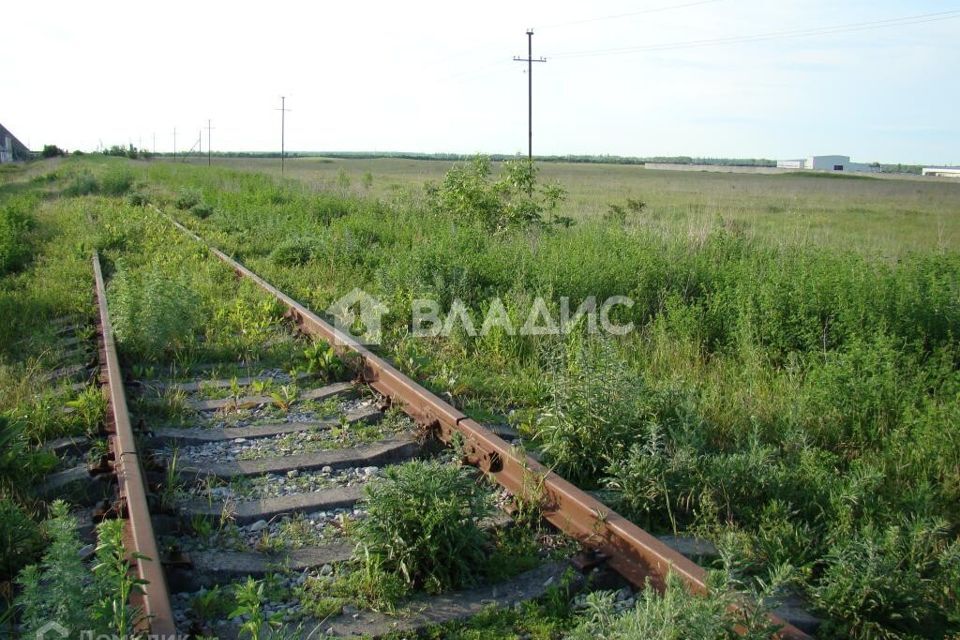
(499, 157)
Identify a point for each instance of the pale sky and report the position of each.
(439, 76)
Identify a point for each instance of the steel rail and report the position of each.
(139, 539)
(634, 553)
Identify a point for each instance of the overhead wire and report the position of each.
(670, 7)
(772, 35)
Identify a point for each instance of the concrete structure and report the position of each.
(942, 172)
(11, 149)
(826, 163)
(790, 164)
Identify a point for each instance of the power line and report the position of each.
(630, 14)
(772, 35)
(470, 74)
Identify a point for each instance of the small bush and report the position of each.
(187, 199)
(83, 184)
(675, 614)
(513, 200)
(422, 525)
(62, 588)
(138, 199)
(154, 313)
(202, 210)
(14, 223)
(886, 582)
(59, 588)
(116, 182)
(592, 414)
(20, 539)
(292, 253)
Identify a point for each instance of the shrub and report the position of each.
(422, 525)
(116, 182)
(592, 414)
(292, 253)
(675, 614)
(14, 223)
(887, 582)
(187, 199)
(153, 313)
(83, 184)
(59, 588)
(20, 539)
(138, 199)
(62, 588)
(202, 210)
(20, 464)
(513, 200)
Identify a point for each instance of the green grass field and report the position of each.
(886, 215)
(791, 390)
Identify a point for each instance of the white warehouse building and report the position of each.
(942, 172)
(826, 163)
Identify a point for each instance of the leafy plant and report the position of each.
(15, 221)
(422, 525)
(59, 588)
(618, 212)
(115, 581)
(138, 199)
(212, 603)
(90, 407)
(886, 582)
(678, 613)
(116, 181)
(513, 200)
(154, 313)
(250, 596)
(292, 253)
(20, 539)
(323, 361)
(202, 210)
(285, 396)
(592, 413)
(82, 184)
(187, 199)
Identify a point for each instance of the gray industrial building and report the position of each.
(11, 149)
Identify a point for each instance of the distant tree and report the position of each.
(52, 151)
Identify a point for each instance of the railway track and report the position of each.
(266, 482)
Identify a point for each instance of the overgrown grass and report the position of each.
(796, 400)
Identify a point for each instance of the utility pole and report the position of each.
(174, 144)
(208, 141)
(529, 60)
(154, 143)
(283, 125)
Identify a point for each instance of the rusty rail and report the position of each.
(139, 538)
(634, 553)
